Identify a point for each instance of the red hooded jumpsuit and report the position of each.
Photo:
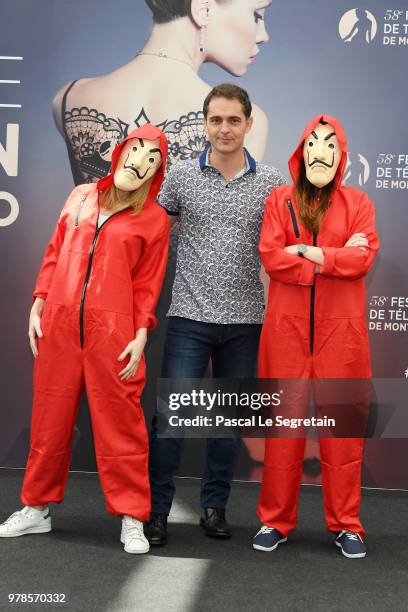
(315, 328)
(99, 286)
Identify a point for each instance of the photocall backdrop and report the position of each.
(339, 58)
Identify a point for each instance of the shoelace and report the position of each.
(350, 535)
(265, 529)
(15, 516)
(134, 528)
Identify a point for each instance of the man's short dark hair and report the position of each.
(167, 10)
(231, 92)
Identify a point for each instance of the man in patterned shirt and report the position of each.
(217, 303)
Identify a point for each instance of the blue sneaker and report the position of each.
(351, 544)
(267, 539)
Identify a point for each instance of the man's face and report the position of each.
(226, 125)
(321, 154)
(138, 162)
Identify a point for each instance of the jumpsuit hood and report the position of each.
(148, 132)
(296, 158)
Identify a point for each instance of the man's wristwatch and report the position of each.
(301, 249)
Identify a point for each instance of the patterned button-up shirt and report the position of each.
(217, 270)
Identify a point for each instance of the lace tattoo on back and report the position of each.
(91, 137)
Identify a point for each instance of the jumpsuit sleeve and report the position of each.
(148, 278)
(279, 265)
(49, 262)
(168, 196)
(354, 262)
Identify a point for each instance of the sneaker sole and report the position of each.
(31, 530)
(259, 547)
(356, 556)
(137, 552)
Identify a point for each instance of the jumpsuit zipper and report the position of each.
(312, 305)
(313, 287)
(81, 203)
(88, 274)
(294, 220)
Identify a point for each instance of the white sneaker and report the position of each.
(132, 536)
(25, 521)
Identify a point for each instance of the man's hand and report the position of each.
(357, 240)
(134, 349)
(34, 324)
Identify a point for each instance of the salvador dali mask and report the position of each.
(321, 154)
(138, 162)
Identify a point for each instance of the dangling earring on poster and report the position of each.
(203, 11)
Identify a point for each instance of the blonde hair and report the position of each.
(113, 198)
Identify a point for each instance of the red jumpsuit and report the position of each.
(315, 328)
(99, 286)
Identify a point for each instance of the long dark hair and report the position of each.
(312, 202)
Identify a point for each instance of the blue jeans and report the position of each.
(233, 351)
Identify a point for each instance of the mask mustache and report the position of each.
(139, 176)
(323, 163)
(320, 161)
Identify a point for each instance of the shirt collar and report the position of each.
(250, 165)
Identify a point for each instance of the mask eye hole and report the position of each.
(134, 148)
(310, 143)
(151, 159)
(331, 146)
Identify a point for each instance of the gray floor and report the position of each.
(84, 559)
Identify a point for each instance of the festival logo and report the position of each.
(357, 169)
(358, 24)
